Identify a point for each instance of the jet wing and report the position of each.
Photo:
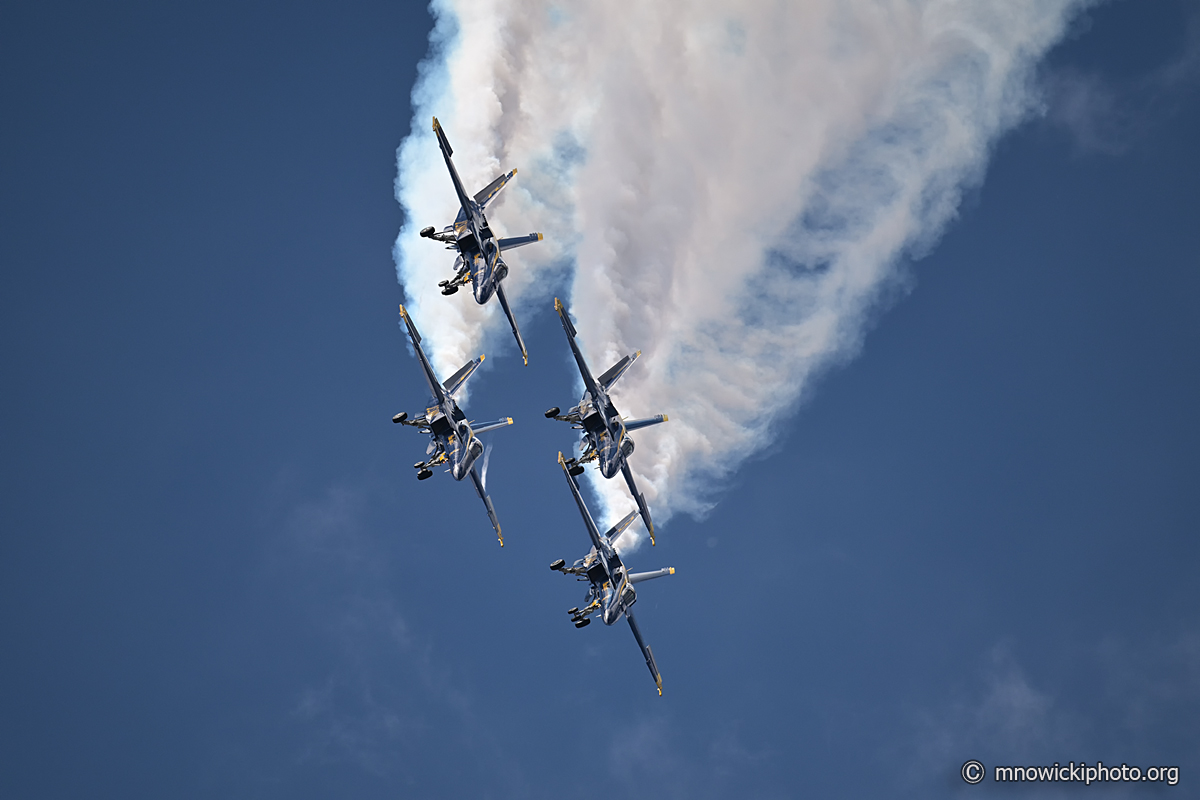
(435, 388)
(641, 501)
(489, 192)
(593, 531)
(517, 241)
(638, 577)
(487, 502)
(463, 198)
(589, 382)
(491, 426)
(512, 321)
(637, 634)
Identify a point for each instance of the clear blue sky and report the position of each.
(219, 578)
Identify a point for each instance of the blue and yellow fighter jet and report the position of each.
(611, 592)
(605, 435)
(452, 440)
(478, 248)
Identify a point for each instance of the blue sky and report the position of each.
(218, 576)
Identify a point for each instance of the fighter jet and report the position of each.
(478, 248)
(611, 591)
(605, 434)
(452, 440)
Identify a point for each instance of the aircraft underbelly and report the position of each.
(465, 458)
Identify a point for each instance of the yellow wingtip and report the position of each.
(403, 312)
(557, 304)
(509, 420)
(436, 124)
(482, 357)
(666, 418)
(540, 237)
(672, 572)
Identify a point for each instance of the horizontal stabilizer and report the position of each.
(645, 422)
(617, 370)
(456, 381)
(638, 577)
(491, 426)
(489, 192)
(619, 528)
(441, 137)
(517, 241)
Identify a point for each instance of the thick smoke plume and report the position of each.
(726, 185)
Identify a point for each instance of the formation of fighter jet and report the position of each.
(479, 250)
(610, 590)
(452, 440)
(605, 435)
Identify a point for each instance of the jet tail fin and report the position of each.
(619, 528)
(613, 374)
(489, 192)
(456, 381)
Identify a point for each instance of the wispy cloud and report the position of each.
(1109, 116)
(386, 690)
(1122, 700)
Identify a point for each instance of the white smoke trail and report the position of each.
(734, 183)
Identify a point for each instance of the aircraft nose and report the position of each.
(483, 291)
